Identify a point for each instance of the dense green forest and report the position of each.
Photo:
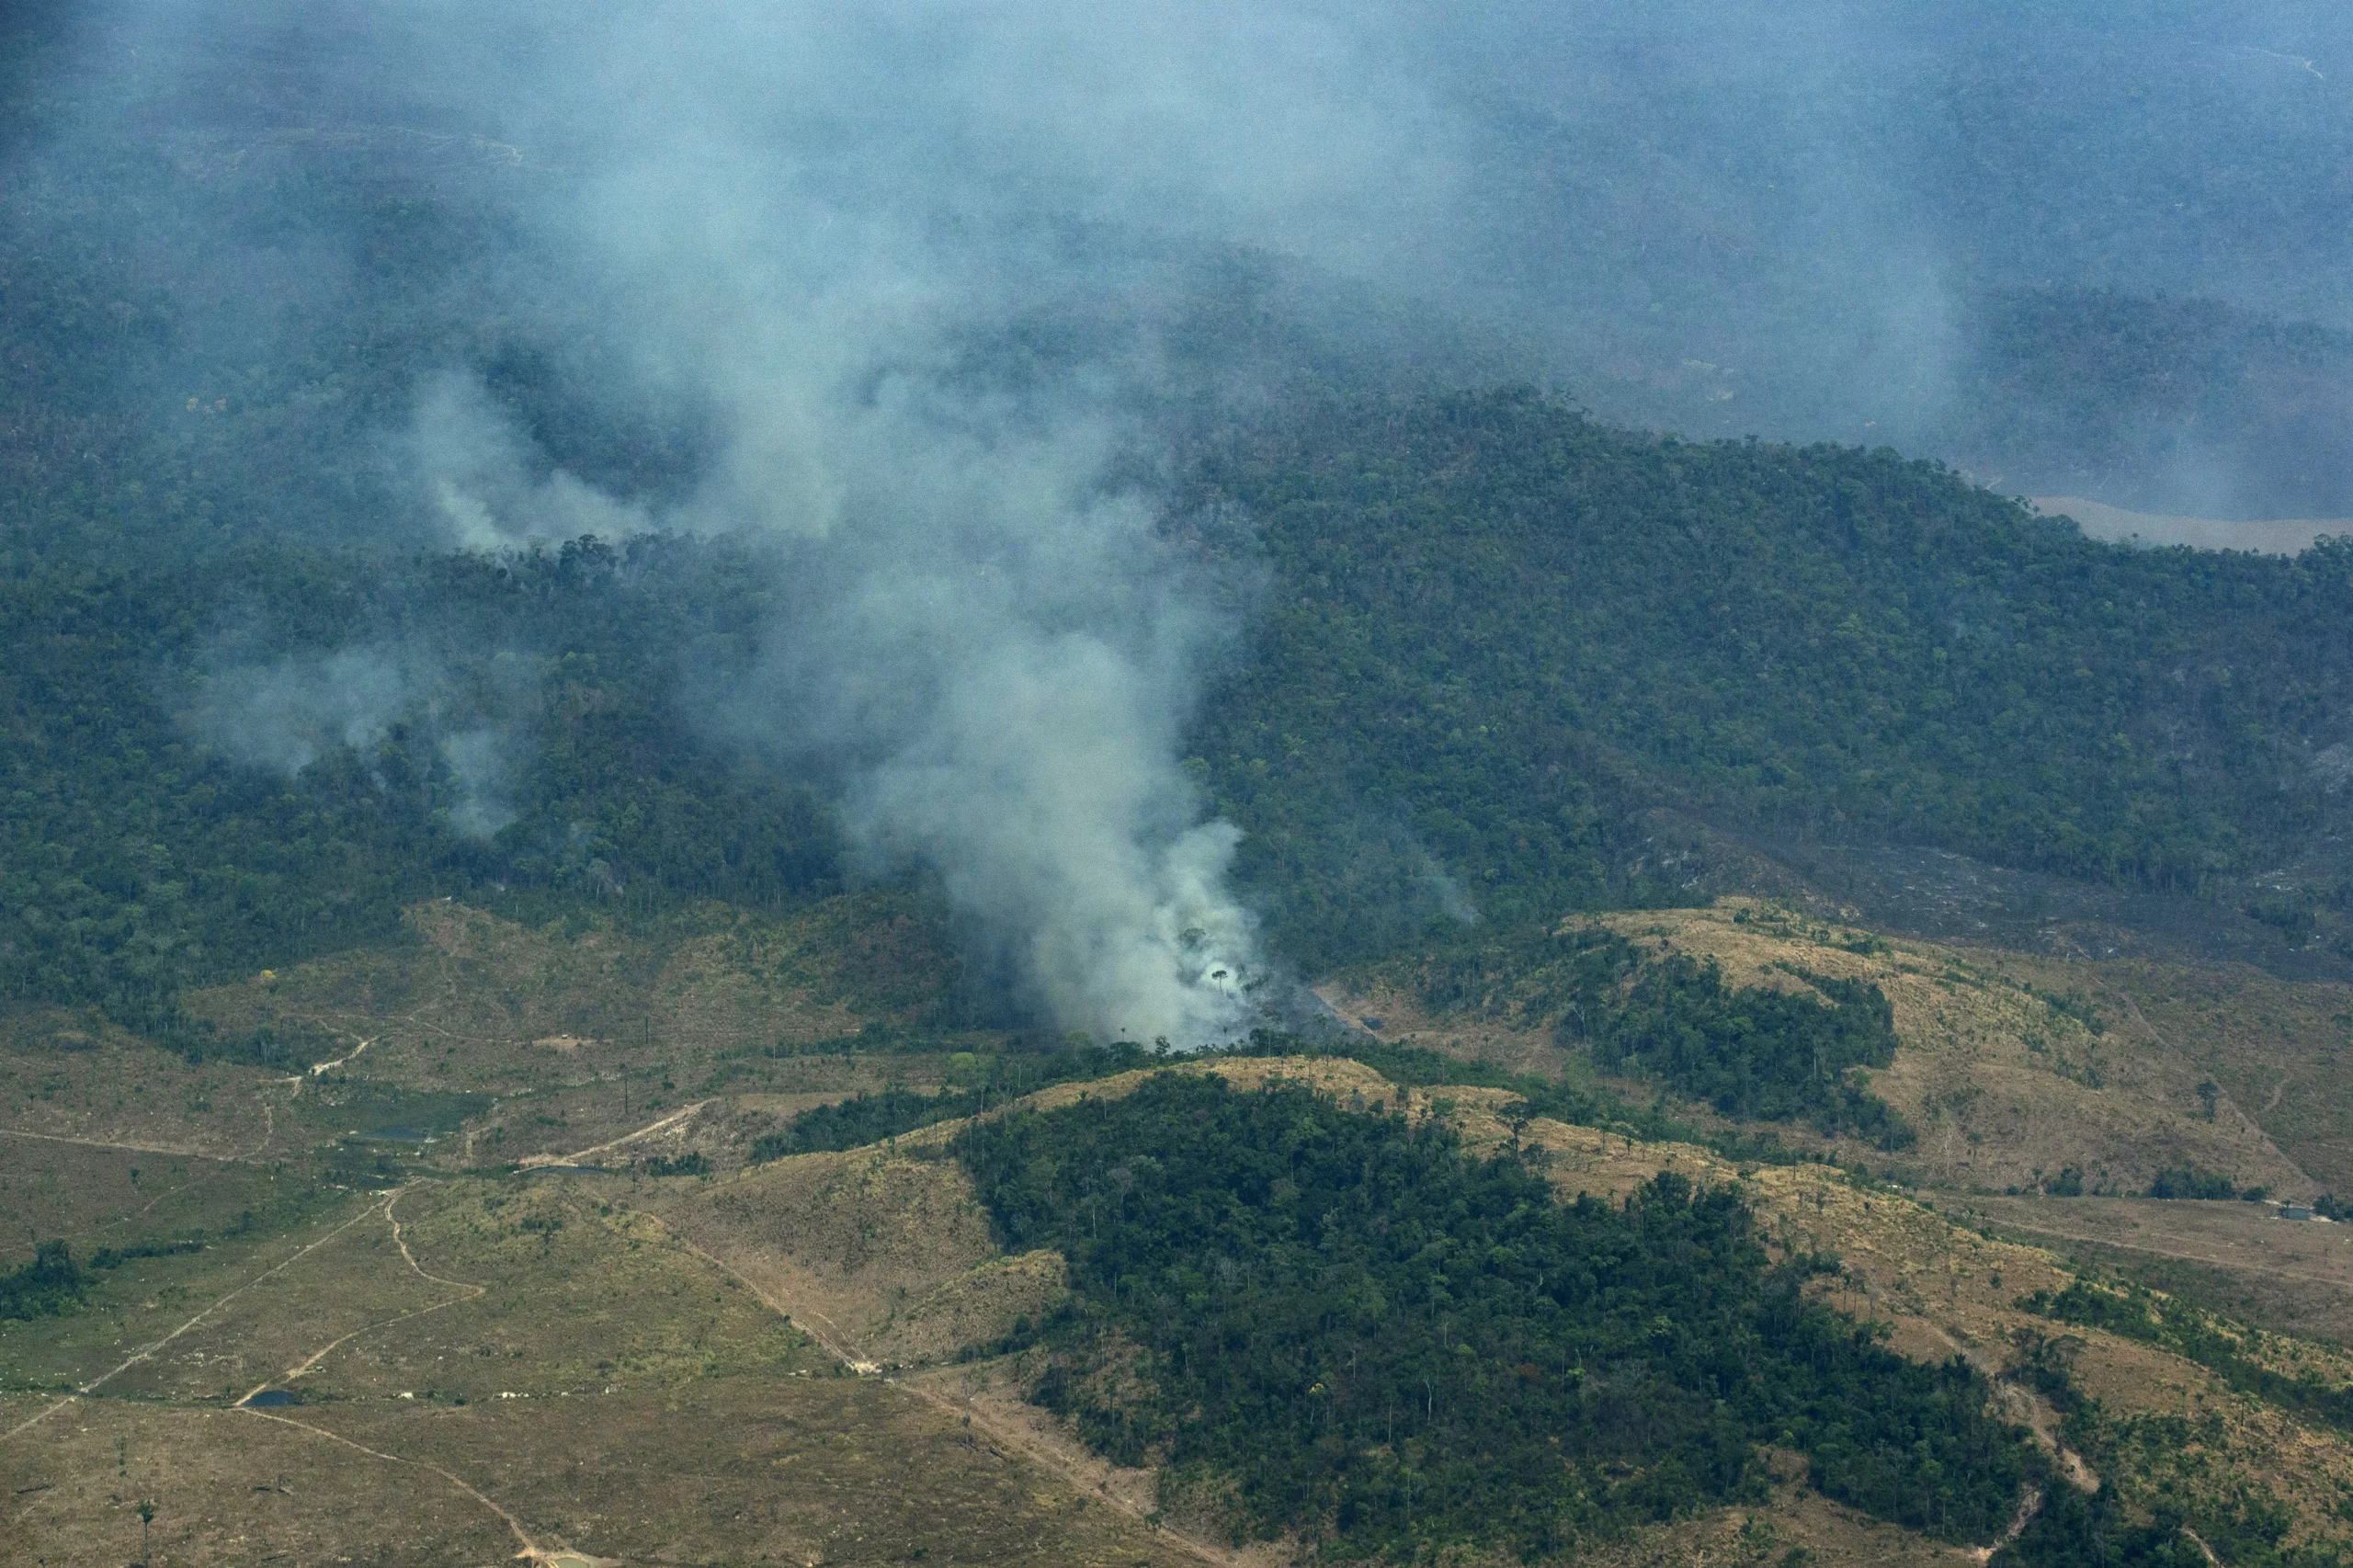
(1749, 1051)
(136, 858)
(1483, 635)
(1501, 627)
(1488, 634)
(1334, 1322)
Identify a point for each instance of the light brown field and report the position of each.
(2099, 521)
(521, 1366)
(2003, 1088)
(589, 1020)
(664, 1369)
(2240, 1258)
(111, 1089)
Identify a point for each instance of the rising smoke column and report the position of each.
(911, 265)
(912, 258)
(922, 269)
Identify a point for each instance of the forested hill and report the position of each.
(1499, 624)
(1486, 634)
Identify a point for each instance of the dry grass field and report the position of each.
(514, 1339)
(580, 1031)
(2005, 1085)
(484, 1367)
(2236, 1258)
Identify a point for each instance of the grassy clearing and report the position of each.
(148, 1301)
(2234, 1259)
(2279, 1053)
(228, 1488)
(93, 1198)
(471, 1001)
(111, 1088)
(569, 1361)
(1999, 1069)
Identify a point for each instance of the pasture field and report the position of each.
(482, 1325)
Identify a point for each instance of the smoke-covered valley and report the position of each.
(930, 314)
(1244, 784)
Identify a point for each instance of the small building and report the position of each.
(2295, 1211)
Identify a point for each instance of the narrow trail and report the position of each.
(473, 1293)
(181, 1150)
(147, 1352)
(831, 1339)
(836, 1344)
(220, 1163)
(531, 1162)
(251, 1157)
(1046, 1456)
(2030, 1505)
(319, 1067)
(531, 1548)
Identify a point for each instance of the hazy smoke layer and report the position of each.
(911, 261)
(287, 714)
(923, 279)
(906, 256)
(477, 473)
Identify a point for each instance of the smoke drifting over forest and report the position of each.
(918, 300)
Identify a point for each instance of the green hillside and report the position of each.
(1497, 625)
(1486, 632)
(136, 858)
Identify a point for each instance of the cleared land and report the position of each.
(480, 1360)
(2099, 521)
(2237, 1259)
(2009, 1069)
(520, 1367)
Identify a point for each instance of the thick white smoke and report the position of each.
(916, 266)
(841, 230)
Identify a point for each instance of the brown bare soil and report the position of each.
(633, 1369)
(2004, 1088)
(2245, 1261)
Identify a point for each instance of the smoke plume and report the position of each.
(927, 287)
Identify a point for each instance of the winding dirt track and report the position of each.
(146, 1352)
(531, 1548)
(388, 1210)
(837, 1343)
